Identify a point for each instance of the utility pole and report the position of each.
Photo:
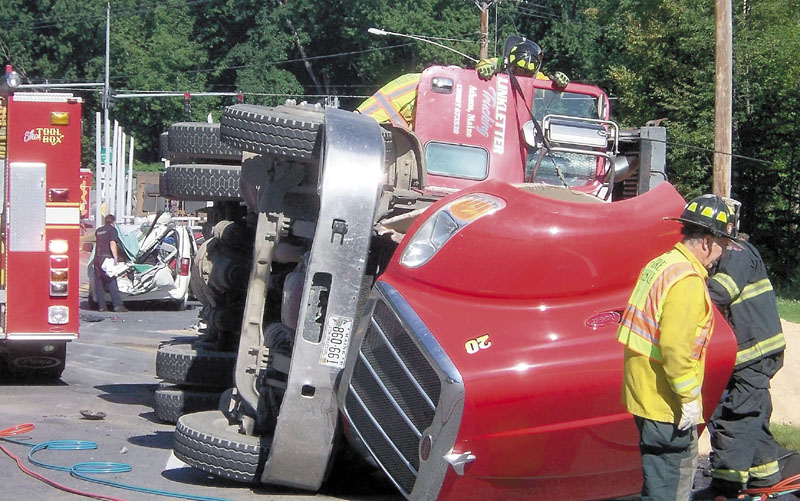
(101, 171)
(723, 98)
(484, 54)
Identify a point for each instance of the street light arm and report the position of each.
(380, 32)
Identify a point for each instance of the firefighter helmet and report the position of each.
(712, 213)
(525, 58)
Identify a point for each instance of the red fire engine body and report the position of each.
(40, 231)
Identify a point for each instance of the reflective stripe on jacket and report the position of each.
(394, 102)
(665, 329)
(742, 290)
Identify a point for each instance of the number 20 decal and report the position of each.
(477, 344)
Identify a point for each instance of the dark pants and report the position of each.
(669, 460)
(103, 282)
(744, 449)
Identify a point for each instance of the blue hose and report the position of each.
(83, 470)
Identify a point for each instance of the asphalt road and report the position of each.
(111, 369)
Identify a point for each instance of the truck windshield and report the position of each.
(578, 170)
(456, 160)
(549, 102)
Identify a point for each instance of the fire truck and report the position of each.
(443, 299)
(40, 239)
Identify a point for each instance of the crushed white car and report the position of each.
(158, 265)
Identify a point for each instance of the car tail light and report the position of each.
(185, 262)
(59, 269)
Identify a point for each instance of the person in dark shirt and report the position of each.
(107, 246)
(745, 453)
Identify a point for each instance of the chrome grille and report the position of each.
(392, 396)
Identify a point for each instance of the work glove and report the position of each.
(561, 80)
(690, 414)
(486, 68)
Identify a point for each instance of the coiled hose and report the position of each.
(80, 470)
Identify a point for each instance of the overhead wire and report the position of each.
(42, 23)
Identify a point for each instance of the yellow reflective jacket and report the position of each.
(394, 102)
(665, 329)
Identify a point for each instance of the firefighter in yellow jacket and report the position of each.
(394, 102)
(666, 328)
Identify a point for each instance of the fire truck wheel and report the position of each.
(200, 140)
(173, 402)
(289, 131)
(37, 359)
(192, 364)
(201, 182)
(206, 441)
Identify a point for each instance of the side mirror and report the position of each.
(88, 246)
(529, 133)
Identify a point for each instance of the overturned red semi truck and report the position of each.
(443, 299)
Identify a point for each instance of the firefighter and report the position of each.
(665, 329)
(394, 102)
(524, 58)
(107, 246)
(745, 453)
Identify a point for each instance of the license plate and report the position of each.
(336, 341)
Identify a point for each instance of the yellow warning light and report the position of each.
(473, 207)
(59, 118)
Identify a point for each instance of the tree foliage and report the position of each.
(655, 58)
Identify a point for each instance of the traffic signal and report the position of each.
(187, 105)
(109, 98)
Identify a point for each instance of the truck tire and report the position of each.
(286, 131)
(28, 358)
(163, 145)
(201, 182)
(194, 365)
(200, 140)
(172, 401)
(224, 452)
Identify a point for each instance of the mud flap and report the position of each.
(350, 188)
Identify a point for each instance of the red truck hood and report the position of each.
(542, 280)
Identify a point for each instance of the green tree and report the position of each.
(767, 122)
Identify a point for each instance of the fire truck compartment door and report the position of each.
(26, 206)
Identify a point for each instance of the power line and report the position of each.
(276, 63)
(710, 150)
(54, 21)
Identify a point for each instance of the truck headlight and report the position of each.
(445, 223)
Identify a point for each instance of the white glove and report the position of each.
(690, 414)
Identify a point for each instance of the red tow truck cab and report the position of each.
(41, 209)
(471, 130)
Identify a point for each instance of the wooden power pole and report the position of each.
(723, 98)
(484, 30)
